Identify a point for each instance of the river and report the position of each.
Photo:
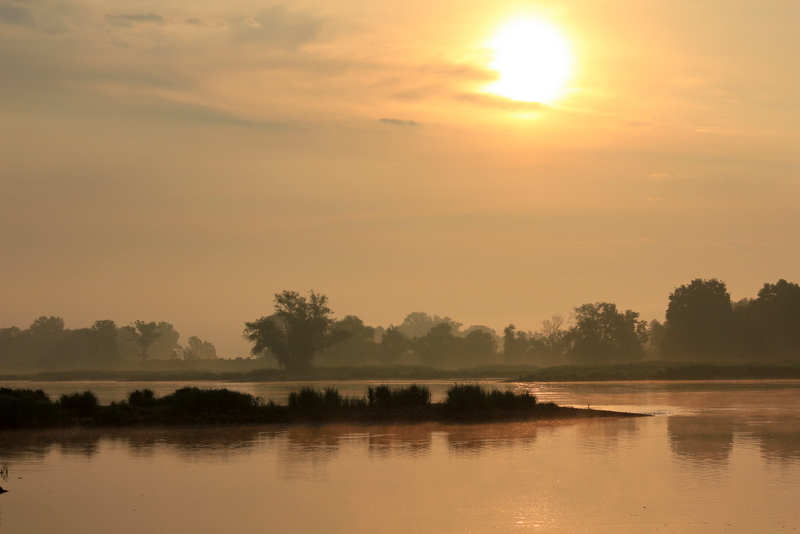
(714, 457)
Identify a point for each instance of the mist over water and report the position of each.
(718, 455)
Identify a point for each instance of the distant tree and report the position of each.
(438, 347)
(699, 321)
(105, 332)
(478, 347)
(603, 334)
(166, 345)
(197, 349)
(144, 334)
(44, 335)
(394, 345)
(418, 324)
(776, 315)
(298, 330)
(515, 344)
(356, 343)
(12, 347)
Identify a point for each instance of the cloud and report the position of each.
(399, 122)
(128, 20)
(16, 15)
(282, 28)
(494, 101)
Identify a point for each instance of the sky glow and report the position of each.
(186, 161)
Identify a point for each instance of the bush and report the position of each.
(80, 404)
(311, 402)
(383, 397)
(26, 407)
(210, 401)
(472, 397)
(142, 397)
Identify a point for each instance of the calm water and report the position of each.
(715, 457)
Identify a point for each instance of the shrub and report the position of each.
(308, 401)
(196, 400)
(142, 397)
(471, 397)
(383, 397)
(80, 404)
(25, 407)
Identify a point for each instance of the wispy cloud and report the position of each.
(129, 19)
(399, 122)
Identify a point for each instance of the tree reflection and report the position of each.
(701, 438)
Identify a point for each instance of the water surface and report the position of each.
(716, 457)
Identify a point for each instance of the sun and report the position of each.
(533, 60)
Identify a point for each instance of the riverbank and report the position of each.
(656, 370)
(650, 370)
(191, 406)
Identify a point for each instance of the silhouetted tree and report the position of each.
(438, 347)
(105, 332)
(417, 324)
(144, 334)
(356, 343)
(602, 334)
(478, 347)
(776, 314)
(394, 345)
(166, 345)
(699, 321)
(296, 332)
(515, 344)
(45, 333)
(197, 349)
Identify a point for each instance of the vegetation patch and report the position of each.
(196, 406)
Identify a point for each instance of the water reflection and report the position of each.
(705, 439)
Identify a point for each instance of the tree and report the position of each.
(515, 344)
(296, 332)
(478, 347)
(439, 346)
(417, 324)
(394, 345)
(776, 316)
(699, 321)
(603, 334)
(356, 344)
(166, 346)
(144, 334)
(44, 335)
(197, 349)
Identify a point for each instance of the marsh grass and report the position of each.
(473, 397)
(384, 397)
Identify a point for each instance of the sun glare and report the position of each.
(533, 60)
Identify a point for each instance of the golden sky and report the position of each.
(184, 161)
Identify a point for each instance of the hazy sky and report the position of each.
(184, 161)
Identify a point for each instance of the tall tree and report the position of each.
(394, 345)
(298, 330)
(776, 313)
(144, 334)
(699, 321)
(197, 349)
(603, 334)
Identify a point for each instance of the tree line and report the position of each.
(48, 344)
(702, 324)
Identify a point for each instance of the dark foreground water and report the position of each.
(715, 457)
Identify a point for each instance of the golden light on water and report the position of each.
(533, 60)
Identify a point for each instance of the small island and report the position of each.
(192, 406)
